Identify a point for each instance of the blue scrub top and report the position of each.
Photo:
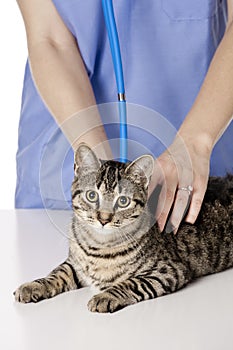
(166, 46)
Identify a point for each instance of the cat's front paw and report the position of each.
(106, 302)
(30, 292)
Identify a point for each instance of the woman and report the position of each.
(178, 60)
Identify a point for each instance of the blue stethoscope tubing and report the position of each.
(117, 63)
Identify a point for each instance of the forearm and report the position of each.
(61, 78)
(60, 75)
(213, 108)
(63, 83)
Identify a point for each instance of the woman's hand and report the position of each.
(182, 171)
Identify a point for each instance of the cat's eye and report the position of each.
(123, 201)
(92, 196)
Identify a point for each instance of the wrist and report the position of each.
(201, 141)
(197, 144)
(197, 136)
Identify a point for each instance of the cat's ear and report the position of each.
(141, 169)
(85, 158)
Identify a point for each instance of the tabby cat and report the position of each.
(115, 247)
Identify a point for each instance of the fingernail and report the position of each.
(169, 228)
(189, 221)
(160, 225)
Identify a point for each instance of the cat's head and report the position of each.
(108, 195)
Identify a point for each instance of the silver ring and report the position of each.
(189, 189)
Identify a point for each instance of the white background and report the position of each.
(13, 55)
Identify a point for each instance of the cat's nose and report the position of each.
(104, 218)
(103, 221)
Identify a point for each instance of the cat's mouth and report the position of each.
(104, 227)
(108, 228)
(104, 230)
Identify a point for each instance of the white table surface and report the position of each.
(34, 241)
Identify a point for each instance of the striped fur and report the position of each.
(121, 252)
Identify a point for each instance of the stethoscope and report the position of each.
(117, 63)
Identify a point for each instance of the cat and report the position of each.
(115, 246)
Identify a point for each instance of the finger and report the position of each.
(181, 205)
(195, 207)
(182, 200)
(196, 201)
(166, 199)
(168, 176)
